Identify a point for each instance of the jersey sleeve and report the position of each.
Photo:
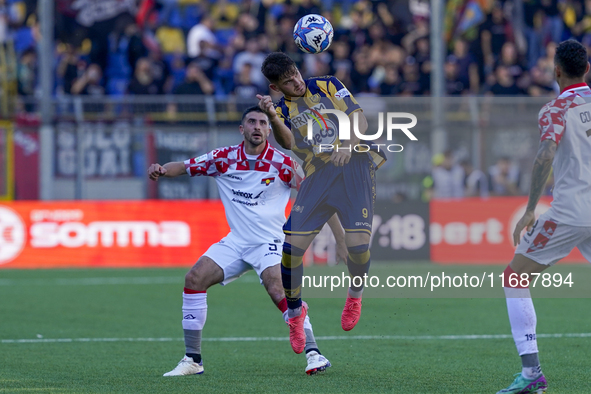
(291, 173)
(343, 99)
(551, 119)
(204, 165)
(281, 110)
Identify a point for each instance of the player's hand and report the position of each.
(155, 171)
(527, 220)
(266, 104)
(342, 252)
(340, 158)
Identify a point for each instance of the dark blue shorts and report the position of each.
(348, 190)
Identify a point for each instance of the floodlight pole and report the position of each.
(438, 134)
(46, 132)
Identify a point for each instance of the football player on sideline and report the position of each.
(339, 180)
(254, 180)
(564, 125)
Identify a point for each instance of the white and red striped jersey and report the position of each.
(254, 192)
(566, 120)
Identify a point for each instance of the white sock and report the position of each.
(355, 294)
(531, 372)
(194, 311)
(522, 317)
(307, 324)
(291, 313)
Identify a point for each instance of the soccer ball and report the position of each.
(313, 33)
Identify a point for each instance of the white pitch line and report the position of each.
(324, 338)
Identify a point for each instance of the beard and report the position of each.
(254, 142)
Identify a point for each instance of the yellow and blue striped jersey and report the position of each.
(321, 93)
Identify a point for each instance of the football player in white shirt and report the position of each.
(565, 129)
(255, 181)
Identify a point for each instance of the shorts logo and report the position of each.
(543, 236)
(267, 181)
(298, 208)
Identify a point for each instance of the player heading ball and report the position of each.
(341, 181)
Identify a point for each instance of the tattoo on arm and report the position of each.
(541, 171)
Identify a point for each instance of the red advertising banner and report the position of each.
(480, 231)
(108, 234)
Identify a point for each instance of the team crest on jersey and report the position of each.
(315, 98)
(267, 181)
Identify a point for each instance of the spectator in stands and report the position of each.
(504, 178)
(89, 84)
(582, 27)
(509, 59)
(505, 84)
(475, 182)
(255, 57)
(196, 82)
(552, 25)
(534, 30)
(208, 59)
(245, 89)
(448, 178)
(390, 86)
(307, 7)
(411, 83)
(161, 71)
(362, 69)
(135, 47)
(27, 73)
(494, 33)
(454, 83)
(143, 79)
(67, 68)
(200, 32)
(542, 83)
(341, 63)
(467, 67)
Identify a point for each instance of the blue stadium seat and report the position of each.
(223, 36)
(191, 15)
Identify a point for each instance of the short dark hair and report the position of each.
(251, 109)
(571, 56)
(278, 65)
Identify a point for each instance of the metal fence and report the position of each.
(101, 147)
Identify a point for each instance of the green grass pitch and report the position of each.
(407, 350)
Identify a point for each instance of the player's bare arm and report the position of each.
(281, 132)
(339, 236)
(343, 156)
(540, 174)
(169, 170)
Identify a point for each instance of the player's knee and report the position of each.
(194, 279)
(292, 250)
(359, 254)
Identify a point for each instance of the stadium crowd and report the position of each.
(216, 48)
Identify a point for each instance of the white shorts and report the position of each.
(550, 241)
(236, 260)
